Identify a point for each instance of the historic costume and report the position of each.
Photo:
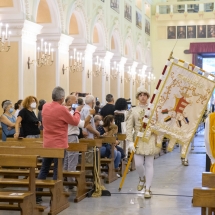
(210, 139)
(144, 153)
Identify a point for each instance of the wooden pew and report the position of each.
(25, 201)
(78, 175)
(59, 199)
(204, 197)
(109, 161)
(28, 140)
(122, 137)
(91, 144)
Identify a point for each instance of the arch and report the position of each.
(17, 7)
(8, 3)
(98, 36)
(116, 37)
(128, 48)
(43, 13)
(139, 53)
(77, 16)
(101, 28)
(55, 21)
(73, 25)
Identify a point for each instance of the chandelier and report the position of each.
(4, 38)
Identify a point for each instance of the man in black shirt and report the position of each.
(109, 108)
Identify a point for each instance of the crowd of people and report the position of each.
(67, 119)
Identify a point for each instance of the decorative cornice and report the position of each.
(27, 10)
(79, 7)
(101, 21)
(61, 11)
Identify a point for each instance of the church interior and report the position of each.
(110, 51)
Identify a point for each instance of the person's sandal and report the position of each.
(186, 163)
(147, 194)
(140, 187)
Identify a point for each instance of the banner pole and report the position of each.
(144, 123)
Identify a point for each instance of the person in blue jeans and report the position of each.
(108, 129)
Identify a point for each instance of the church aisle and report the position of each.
(172, 189)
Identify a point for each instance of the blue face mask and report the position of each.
(11, 110)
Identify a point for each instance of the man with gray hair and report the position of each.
(55, 129)
(90, 128)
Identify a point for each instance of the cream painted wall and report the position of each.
(161, 47)
(46, 81)
(113, 88)
(9, 74)
(29, 75)
(64, 77)
(126, 87)
(97, 86)
(75, 82)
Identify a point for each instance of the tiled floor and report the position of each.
(172, 189)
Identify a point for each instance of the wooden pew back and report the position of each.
(42, 152)
(208, 179)
(29, 140)
(92, 142)
(15, 160)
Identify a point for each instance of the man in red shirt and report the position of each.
(55, 130)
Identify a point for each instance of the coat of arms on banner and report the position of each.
(179, 106)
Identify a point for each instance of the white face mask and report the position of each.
(33, 105)
(101, 122)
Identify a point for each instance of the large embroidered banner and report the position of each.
(179, 106)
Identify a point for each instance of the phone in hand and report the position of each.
(129, 106)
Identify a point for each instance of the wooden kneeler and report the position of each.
(25, 200)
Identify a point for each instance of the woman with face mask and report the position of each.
(28, 120)
(7, 120)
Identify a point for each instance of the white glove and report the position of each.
(131, 147)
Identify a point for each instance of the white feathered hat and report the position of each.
(140, 90)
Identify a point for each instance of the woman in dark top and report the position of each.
(28, 120)
(40, 108)
(120, 112)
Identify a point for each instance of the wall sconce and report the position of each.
(4, 38)
(44, 55)
(129, 75)
(88, 73)
(107, 77)
(76, 62)
(115, 71)
(64, 69)
(99, 67)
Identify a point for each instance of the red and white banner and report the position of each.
(179, 106)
